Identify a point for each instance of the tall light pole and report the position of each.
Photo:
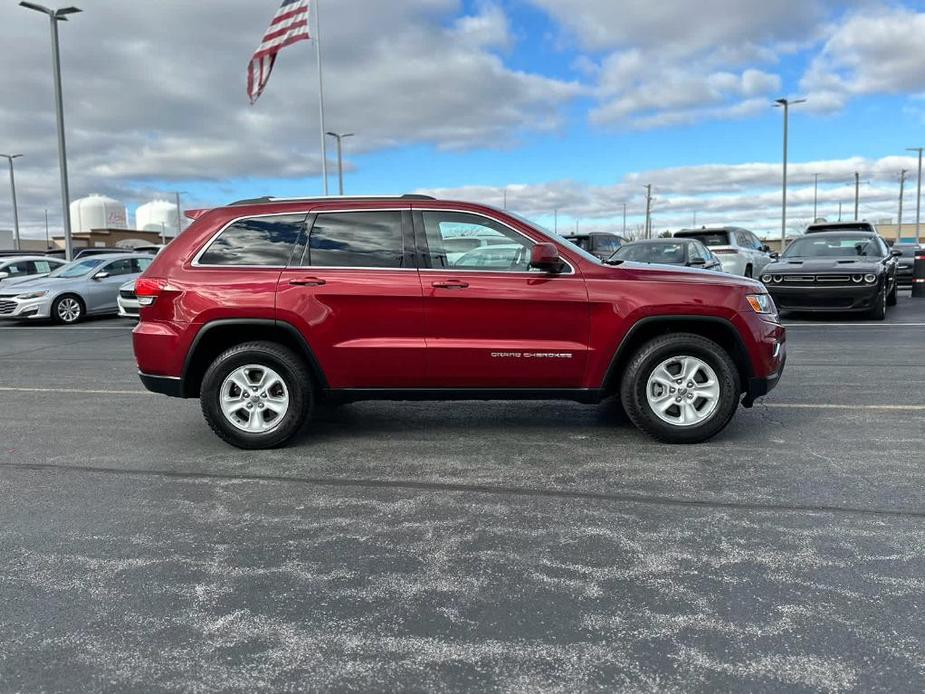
(902, 184)
(340, 137)
(815, 196)
(648, 210)
(10, 158)
(555, 220)
(918, 195)
(56, 16)
(857, 193)
(624, 220)
(177, 195)
(786, 104)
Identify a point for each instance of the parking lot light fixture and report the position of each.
(10, 158)
(55, 16)
(785, 104)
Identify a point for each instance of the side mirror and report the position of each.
(545, 256)
(774, 255)
(101, 275)
(697, 261)
(766, 248)
(894, 253)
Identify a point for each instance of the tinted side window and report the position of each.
(19, 269)
(119, 267)
(606, 244)
(356, 239)
(255, 241)
(141, 264)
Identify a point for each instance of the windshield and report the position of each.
(557, 238)
(668, 253)
(78, 268)
(840, 246)
(708, 238)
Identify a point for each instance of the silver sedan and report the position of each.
(85, 287)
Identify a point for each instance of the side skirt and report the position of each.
(583, 395)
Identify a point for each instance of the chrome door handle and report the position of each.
(450, 284)
(308, 282)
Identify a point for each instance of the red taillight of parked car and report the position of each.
(147, 289)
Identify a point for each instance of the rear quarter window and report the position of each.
(256, 241)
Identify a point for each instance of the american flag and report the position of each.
(288, 26)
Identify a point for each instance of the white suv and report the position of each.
(739, 251)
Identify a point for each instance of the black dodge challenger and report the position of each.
(834, 271)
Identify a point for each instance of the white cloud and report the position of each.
(668, 63)
(155, 91)
(741, 194)
(871, 52)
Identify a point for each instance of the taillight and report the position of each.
(147, 289)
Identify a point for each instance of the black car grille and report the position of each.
(127, 294)
(826, 280)
(7, 307)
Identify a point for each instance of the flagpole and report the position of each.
(324, 147)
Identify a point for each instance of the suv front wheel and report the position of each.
(257, 395)
(681, 388)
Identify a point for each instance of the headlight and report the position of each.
(761, 303)
(31, 295)
(766, 279)
(870, 278)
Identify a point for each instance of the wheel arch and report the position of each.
(719, 330)
(217, 336)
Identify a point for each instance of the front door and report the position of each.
(353, 290)
(491, 320)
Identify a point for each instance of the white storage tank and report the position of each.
(157, 215)
(97, 212)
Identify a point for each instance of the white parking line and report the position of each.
(63, 327)
(833, 406)
(11, 389)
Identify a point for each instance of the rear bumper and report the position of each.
(165, 385)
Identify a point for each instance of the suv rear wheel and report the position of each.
(257, 395)
(681, 388)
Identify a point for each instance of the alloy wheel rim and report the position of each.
(683, 391)
(254, 399)
(68, 310)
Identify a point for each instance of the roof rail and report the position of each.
(269, 199)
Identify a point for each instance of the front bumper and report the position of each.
(759, 387)
(12, 308)
(858, 298)
(128, 308)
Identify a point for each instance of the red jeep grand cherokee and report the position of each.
(266, 307)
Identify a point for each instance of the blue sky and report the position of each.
(568, 104)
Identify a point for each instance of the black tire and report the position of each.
(891, 297)
(61, 316)
(654, 353)
(291, 369)
(878, 312)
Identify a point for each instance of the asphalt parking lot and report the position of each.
(481, 546)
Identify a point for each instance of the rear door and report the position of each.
(352, 289)
(491, 321)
